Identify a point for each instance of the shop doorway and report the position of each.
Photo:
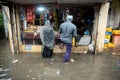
(32, 19)
(83, 19)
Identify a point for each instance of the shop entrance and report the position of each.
(32, 18)
(83, 19)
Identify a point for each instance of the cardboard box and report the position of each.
(116, 39)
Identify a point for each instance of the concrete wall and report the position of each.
(102, 22)
(114, 14)
(5, 23)
(6, 12)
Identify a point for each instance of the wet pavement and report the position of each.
(30, 66)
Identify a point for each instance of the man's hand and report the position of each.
(76, 44)
(61, 46)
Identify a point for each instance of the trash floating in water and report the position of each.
(66, 63)
(47, 60)
(2, 75)
(1, 65)
(51, 72)
(59, 59)
(85, 52)
(113, 53)
(30, 71)
(72, 60)
(51, 63)
(7, 69)
(52, 59)
(1, 69)
(15, 61)
(33, 78)
(28, 76)
(6, 79)
(90, 47)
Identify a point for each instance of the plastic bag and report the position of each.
(87, 32)
(85, 40)
(47, 35)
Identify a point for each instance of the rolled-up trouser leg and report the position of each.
(68, 52)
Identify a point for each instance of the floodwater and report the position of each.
(30, 66)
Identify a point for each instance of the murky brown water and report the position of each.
(30, 66)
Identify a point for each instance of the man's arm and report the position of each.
(60, 29)
(75, 35)
(75, 32)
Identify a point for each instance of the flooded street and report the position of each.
(30, 66)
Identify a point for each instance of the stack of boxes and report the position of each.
(116, 41)
(107, 42)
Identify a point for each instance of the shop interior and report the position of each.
(33, 17)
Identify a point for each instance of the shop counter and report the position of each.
(38, 49)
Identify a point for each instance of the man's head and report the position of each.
(69, 18)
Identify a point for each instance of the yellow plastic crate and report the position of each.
(108, 37)
(116, 32)
(105, 46)
(111, 45)
(108, 29)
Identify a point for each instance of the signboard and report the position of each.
(28, 47)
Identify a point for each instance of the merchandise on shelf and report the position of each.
(30, 13)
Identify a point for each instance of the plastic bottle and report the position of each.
(73, 41)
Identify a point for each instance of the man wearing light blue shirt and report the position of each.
(67, 31)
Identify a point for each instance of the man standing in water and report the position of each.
(67, 31)
(48, 38)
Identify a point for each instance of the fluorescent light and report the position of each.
(40, 9)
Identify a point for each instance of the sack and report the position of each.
(85, 40)
(47, 52)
